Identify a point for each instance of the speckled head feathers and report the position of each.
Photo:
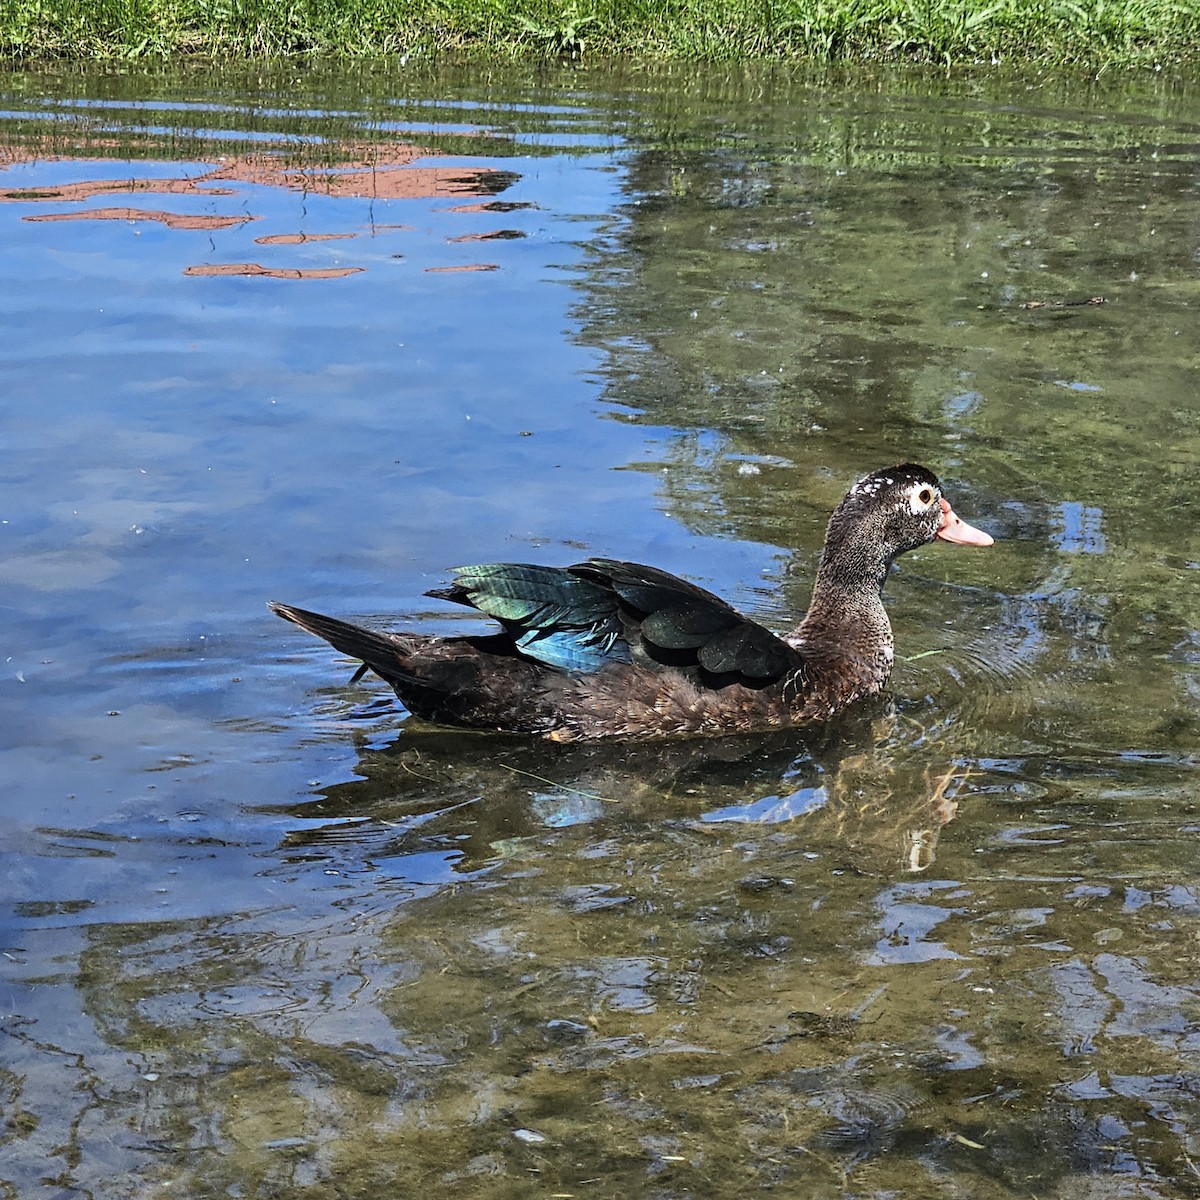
(883, 515)
(893, 510)
(889, 478)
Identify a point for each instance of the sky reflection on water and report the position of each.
(263, 938)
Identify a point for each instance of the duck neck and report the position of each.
(852, 565)
(846, 617)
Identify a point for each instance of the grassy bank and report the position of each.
(1097, 32)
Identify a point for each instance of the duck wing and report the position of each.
(683, 624)
(551, 614)
(581, 617)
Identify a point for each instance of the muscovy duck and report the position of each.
(609, 649)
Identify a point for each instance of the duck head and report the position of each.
(885, 514)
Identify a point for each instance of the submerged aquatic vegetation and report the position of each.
(1098, 32)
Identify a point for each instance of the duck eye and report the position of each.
(925, 496)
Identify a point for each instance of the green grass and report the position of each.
(1096, 32)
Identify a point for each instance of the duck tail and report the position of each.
(382, 653)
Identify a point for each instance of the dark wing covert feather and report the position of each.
(679, 617)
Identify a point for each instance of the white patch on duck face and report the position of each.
(872, 485)
(921, 498)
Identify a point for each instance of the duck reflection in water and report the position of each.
(853, 786)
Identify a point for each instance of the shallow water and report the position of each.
(320, 337)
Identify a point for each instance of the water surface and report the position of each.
(322, 336)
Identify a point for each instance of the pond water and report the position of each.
(320, 336)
